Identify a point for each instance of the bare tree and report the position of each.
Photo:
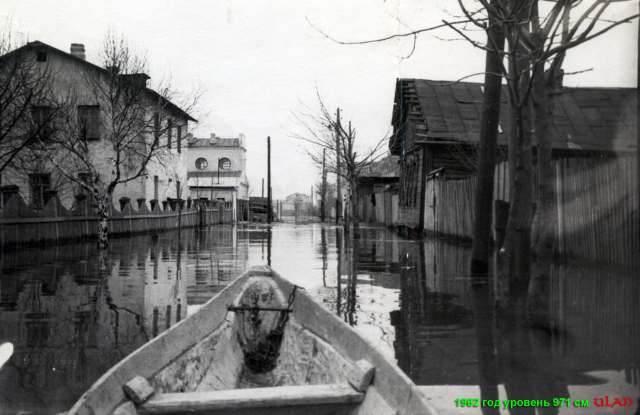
(27, 109)
(537, 46)
(342, 159)
(115, 140)
(329, 194)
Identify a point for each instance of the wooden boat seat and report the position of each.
(306, 399)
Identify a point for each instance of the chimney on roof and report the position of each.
(77, 50)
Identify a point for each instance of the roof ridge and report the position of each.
(39, 43)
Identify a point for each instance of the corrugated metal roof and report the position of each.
(583, 118)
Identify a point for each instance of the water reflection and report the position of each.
(71, 314)
(448, 331)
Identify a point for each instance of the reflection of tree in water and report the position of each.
(346, 296)
(323, 253)
(71, 315)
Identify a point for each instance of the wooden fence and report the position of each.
(596, 205)
(385, 210)
(449, 207)
(20, 224)
(598, 210)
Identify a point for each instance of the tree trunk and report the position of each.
(518, 235)
(517, 244)
(488, 136)
(545, 223)
(355, 217)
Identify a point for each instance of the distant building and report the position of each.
(216, 170)
(73, 81)
(378, 191)
(297, 205)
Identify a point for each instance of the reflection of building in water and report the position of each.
(70, 323)
(595, 326)
(218, 255)
(165, 294)
(434, 326)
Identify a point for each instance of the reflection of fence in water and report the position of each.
(594, 311)
(598, 309)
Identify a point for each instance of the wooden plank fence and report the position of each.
(21, 225)
(449, 207)
(596, 205)
(598, 210)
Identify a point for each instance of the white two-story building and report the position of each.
(216, 170)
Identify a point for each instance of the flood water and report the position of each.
(72, 314)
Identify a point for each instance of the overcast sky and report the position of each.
(260, 61)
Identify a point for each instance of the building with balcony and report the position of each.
(216, 170)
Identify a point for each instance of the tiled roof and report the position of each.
(583, 118)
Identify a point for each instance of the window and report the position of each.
(42, 117)
(179, 138)
(89, 122)
(201, 163)
(169, 131)
(38, 184)
(224, 163)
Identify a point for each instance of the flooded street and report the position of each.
(72, 314)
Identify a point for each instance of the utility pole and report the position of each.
(263, 187)
(323, 195)
(338, 194)
(269, 213)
